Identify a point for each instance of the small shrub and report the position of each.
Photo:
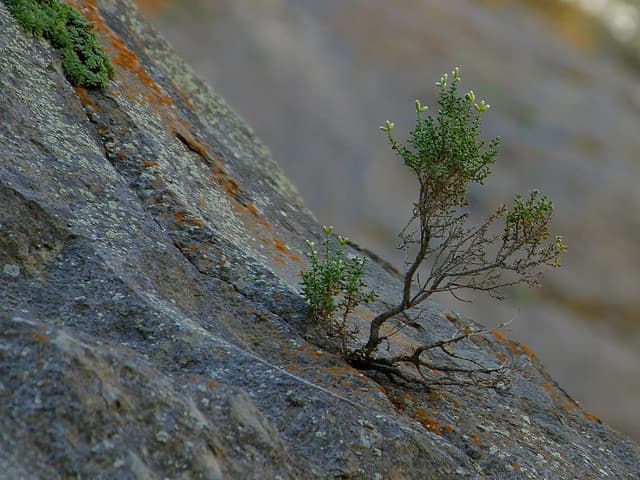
(83, 59)
(444, 252)
(333, 288)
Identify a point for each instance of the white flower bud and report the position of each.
(387, 127)
(482, 107)
(443, 81)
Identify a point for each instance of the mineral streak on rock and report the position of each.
(150, 321)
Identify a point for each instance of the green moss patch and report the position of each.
(84, 61)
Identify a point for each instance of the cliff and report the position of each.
(150, 321)
(564, 102)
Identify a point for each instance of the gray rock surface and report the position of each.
(316, 78)
(150, 321)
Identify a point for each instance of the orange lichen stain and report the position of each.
(229, 185)
(382, 390)
(559, 398)
(218, 171)
(280, 246)
(252, 209)
(250, 218)
(397, 403)
(432, 424)
(278, 260)
(591, 417)
(475, 439)
(149, 164)
(85, 100)
(528, 352)
(499, 336)
(232, 187)
(222, 178)
(180, 216)
(501, 357)
(421, 413)
(192, 249)
(196, 222)
(513, 346)
(220, 175)
(190, 141)
(193, 379)
(39, 336)
(336, 371)
(212, 383)
(315, 354)
(240, 206)
(309, 351)
(295, 258)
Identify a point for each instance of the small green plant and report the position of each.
(443, 252)
(83, 59)
(333, 288)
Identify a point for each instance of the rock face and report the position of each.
(564, 101)
(150, 321)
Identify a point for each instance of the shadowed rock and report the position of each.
(150, 322)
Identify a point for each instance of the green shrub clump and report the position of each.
(84, 61)
(334, 287)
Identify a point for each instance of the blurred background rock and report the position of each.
(316, 79)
